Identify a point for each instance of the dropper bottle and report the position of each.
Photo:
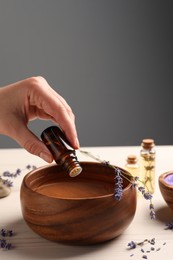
(61, 150)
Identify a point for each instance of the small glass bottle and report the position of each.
(132, 165)
(147, 164)
(61, 150)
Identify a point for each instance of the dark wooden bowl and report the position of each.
(80, 210)
(166, 189)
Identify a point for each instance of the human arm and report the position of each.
(31, 99)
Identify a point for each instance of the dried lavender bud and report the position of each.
(152, 215)
(132, 245)
(3, 233)
(6, 233)
(141, 189)
(169, 226)
(8, 183)
(147, 196)
(158, 249)
(8, 174)
(152, 241)
(28, 167)
(4, 245)
(118, 182)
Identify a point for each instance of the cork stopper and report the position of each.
(131, 159)
(147, 143)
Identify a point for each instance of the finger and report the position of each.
(61, 116)
(56, 107)
(59, 97)
(33, 145)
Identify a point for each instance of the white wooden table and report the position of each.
(29, 245)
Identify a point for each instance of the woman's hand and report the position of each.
(31, 99)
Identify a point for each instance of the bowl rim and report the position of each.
(162, 179)
(129, 185)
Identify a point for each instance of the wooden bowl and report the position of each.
(166, 187)
(80, 210)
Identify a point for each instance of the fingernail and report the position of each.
(77, 143)
(45, 156)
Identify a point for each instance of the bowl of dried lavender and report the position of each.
(166, 187)
(96, 206)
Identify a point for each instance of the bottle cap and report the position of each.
(147, 143)
(131, 159)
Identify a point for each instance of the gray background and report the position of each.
(111, 60)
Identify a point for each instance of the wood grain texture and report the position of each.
(75, 220)
(166, 189)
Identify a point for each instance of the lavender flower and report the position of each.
(147, 196)
(6, 233)
(132, 245)
(119, 182)
(152, 212)
(8, 183)
(5, 245)
(31, 167)
(118, 185)
(8, 174)
(17, 173)
(141, 189)
(3, 233)
(152, 241)
(169, 226)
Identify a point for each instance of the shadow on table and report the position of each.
(164, 214)
(29, 245)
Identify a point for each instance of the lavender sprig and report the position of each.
(5, 245)
(149, 197)
(8, 174)
(132, 244)
(6, 233)
(7, 182)
(3, 242)
(119, 185)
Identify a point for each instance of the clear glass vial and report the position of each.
(61, 150)
(147, 164)
(132, 165)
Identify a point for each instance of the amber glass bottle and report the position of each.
(147, 164)
(61, 150)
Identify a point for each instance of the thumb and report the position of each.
(33, 145)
